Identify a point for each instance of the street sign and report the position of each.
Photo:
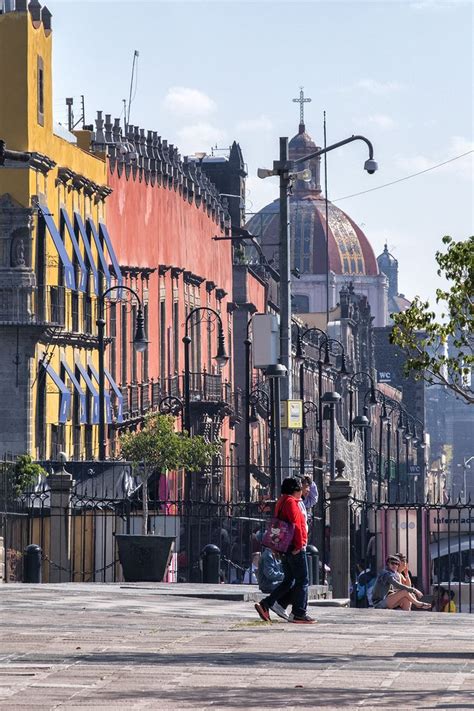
(384, 376)
(292, 414)
(414, 469)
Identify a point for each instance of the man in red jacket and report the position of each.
(295, 567)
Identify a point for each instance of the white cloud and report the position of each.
(200, 137)
(262, 123)
(377, 87)
(382, 121)
(186, 102)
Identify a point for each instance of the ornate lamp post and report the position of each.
(221, 358)
(373, 399)
(139, 342)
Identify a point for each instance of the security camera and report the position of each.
(370, 166)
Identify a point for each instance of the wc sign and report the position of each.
(385, 376)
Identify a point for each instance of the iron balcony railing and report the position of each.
(32, 305)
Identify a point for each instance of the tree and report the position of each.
(157, 447)
(425, 339)
(24, 474)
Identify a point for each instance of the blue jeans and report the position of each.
(295, 570)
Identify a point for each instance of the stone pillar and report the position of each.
(339, 491)
(61, 484)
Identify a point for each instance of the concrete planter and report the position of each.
(144, 558)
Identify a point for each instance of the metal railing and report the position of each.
(32, 305)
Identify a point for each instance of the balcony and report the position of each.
(32, 306)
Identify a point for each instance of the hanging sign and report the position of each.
(292, 414)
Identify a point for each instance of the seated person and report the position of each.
(390, 593)
(250, 574)
(270, 575)
(448, 601)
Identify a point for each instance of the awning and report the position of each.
(92, 229)
(59, 244)
(93, 392)
(65, 401)
(108, 403)
(80, 393)
(82, 286)
(104, 233)
(452, 545)
(118, 393)
(79, 226)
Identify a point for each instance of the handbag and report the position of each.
(278, 535)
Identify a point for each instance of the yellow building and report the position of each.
(55, 255)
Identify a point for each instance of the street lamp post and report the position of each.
(300, 357)
(287, 170)
(139, 343)
(221, 358)
(331, 399)
(373, 400)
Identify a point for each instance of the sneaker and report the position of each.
(263, 612)
(305, 620)
(280, 611)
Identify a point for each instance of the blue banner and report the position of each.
(91, 229)
(65, 401)
(59, 244)
(94, 420)
(80, 392)
(82, 265)
(79, 225)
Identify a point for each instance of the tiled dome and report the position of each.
(350, 252)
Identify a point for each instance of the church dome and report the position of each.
(350, 252)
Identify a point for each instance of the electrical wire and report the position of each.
(407, 177)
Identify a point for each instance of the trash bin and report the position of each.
(211, 564)
(313, 564)
(32, 564)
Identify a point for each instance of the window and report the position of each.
(113, 336)
(300, 303)
(146, 351)
(162, 340)
(132, 347)
(40, 91)
(41, 413)
(176, 336)
(124, 346)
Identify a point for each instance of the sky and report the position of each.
(208, 73)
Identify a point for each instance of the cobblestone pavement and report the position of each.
(105, 646)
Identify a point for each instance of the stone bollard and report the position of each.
(61, 484)
(312, 554)
(339, 492)
(211, 564)
(32, 564)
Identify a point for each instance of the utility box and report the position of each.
(265, 340)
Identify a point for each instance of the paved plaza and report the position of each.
(111, 647)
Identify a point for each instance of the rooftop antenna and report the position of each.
(70, 113)
(83, 114)
(134, 63)
(124, 101)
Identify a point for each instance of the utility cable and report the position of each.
(407, 177)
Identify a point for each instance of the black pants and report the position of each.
(295, 583)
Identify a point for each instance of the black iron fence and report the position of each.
(436, 538)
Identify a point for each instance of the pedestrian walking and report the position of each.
(295, 568)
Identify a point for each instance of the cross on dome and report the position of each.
(302, 101)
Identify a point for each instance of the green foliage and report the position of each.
(159, 448)
(423, 337)
(24, 474)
